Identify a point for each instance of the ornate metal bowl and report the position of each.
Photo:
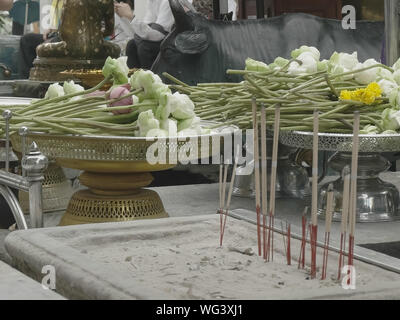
(377, 200)
(116, 169)
(341, 142)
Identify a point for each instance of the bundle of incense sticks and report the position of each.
(314, 199)
(264, 190)
(344, 218)
(274, 164)
(256, 171)
(353, 187)
(304, 233)
(328, 223)
(224, 208)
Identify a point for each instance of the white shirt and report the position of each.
(157, 11)
(122, 32)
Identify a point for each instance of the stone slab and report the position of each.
(14, 285)
(119, 260)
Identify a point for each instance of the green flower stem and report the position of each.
(173, 79)
(68, 96)
(333, 111)
(333, 89)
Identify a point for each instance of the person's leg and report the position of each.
(147, 52)
(17, 29)
(132, 54)
(27, 54)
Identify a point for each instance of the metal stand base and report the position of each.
(87, 207)
(377, 200)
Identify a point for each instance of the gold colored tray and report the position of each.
(90, 78)
(118, 153)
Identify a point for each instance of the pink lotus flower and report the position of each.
(118, 92)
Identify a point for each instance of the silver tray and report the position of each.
(116, 148)
(341, 142)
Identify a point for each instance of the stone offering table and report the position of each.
(17, 286)
(179, 258)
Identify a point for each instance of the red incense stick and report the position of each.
(314, 199)
(256, 171)
(221, 169)
(229, 196)
(301, 263)
(344, 218)
(353, 187)
(264, 201)
(328, 223)
(288, 251)
(222, 203)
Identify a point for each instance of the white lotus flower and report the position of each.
(369, 129)
(309, 64)
(146, 122)
(311, 50)
(396, 76)
(188, 123)
(157, 133)
(71, 87)
(170, 126)
(387, 86)
(394, 98)
(396, 65)
(54, 91)
(383, 73)
(347, 61)
(123, 64)
(366, 76)
(323, 65)
(391, 119)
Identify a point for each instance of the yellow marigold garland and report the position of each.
(366, 95)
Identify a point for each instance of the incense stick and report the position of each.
(303, 239)
(288, 251)
(314, 199)
(353, 187)
(229, 196)
(223, 201)
(274, 164)
(264, 202)
(221, 205)
(328, 223)
(256, 170)
(344, 218)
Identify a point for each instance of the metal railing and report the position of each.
(33, 163)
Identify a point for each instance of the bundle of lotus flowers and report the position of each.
(335, 87)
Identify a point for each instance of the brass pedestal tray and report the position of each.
(51, 69)
(57, 191)
(89, 78)
(116, 169)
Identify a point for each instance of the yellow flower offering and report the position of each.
(366, 95)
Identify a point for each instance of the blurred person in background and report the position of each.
(25, 14)
(124, 12)
(30, 41)
(6, 5)
(143, 49)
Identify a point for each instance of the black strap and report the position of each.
(158, 28)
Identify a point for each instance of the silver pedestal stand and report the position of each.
(376, 200)
(34, 163)
(292, 179)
